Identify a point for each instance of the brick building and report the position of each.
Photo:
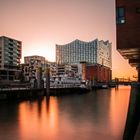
(98, 73)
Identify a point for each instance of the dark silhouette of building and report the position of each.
(128, 31)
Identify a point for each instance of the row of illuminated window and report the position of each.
(84, 52)
(77, 44)
(89, 55)
(77, 56)
(76, 60)
(74, 49)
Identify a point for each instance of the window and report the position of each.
(120, 15)
(138, 10)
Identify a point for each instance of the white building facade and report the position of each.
(93, 52)
(33, 66)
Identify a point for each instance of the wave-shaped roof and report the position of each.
(81, 41)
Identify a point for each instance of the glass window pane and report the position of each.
(121, 12)
(120, 15)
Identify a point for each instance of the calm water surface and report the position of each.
(98, 115)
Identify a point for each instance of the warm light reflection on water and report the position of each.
(38, 119)
(118, 108)
(97, 115)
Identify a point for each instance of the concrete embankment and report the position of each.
(11, 94)
(14, 94)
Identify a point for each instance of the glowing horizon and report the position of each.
(42, 24)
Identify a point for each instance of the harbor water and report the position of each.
(97, 115)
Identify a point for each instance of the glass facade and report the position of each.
(93, 52)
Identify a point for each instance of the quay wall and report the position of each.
(34, 93)
(20, 94)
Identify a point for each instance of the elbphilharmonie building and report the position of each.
(93, 52)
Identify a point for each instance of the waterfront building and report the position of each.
(10, 55)
(94, 52)
(94, 59)
(68, 69)
(64, 75)
(128, 31)
(63, 69)
(33, 67)
(128, 44)
(53, 68)
(98, 73)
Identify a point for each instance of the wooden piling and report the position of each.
(47, 82)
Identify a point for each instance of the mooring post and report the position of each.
(39, 77)
(133, 115)
(47, 82)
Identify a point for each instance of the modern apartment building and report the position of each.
(10, 55)
(128, 30)
(70, 70)
(94, 52)
(34, 66)
(53, 68)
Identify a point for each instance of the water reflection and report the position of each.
(118, 109)
(38, 119)
(97, 115)
(9, 121)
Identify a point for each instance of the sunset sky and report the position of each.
(40, 24)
